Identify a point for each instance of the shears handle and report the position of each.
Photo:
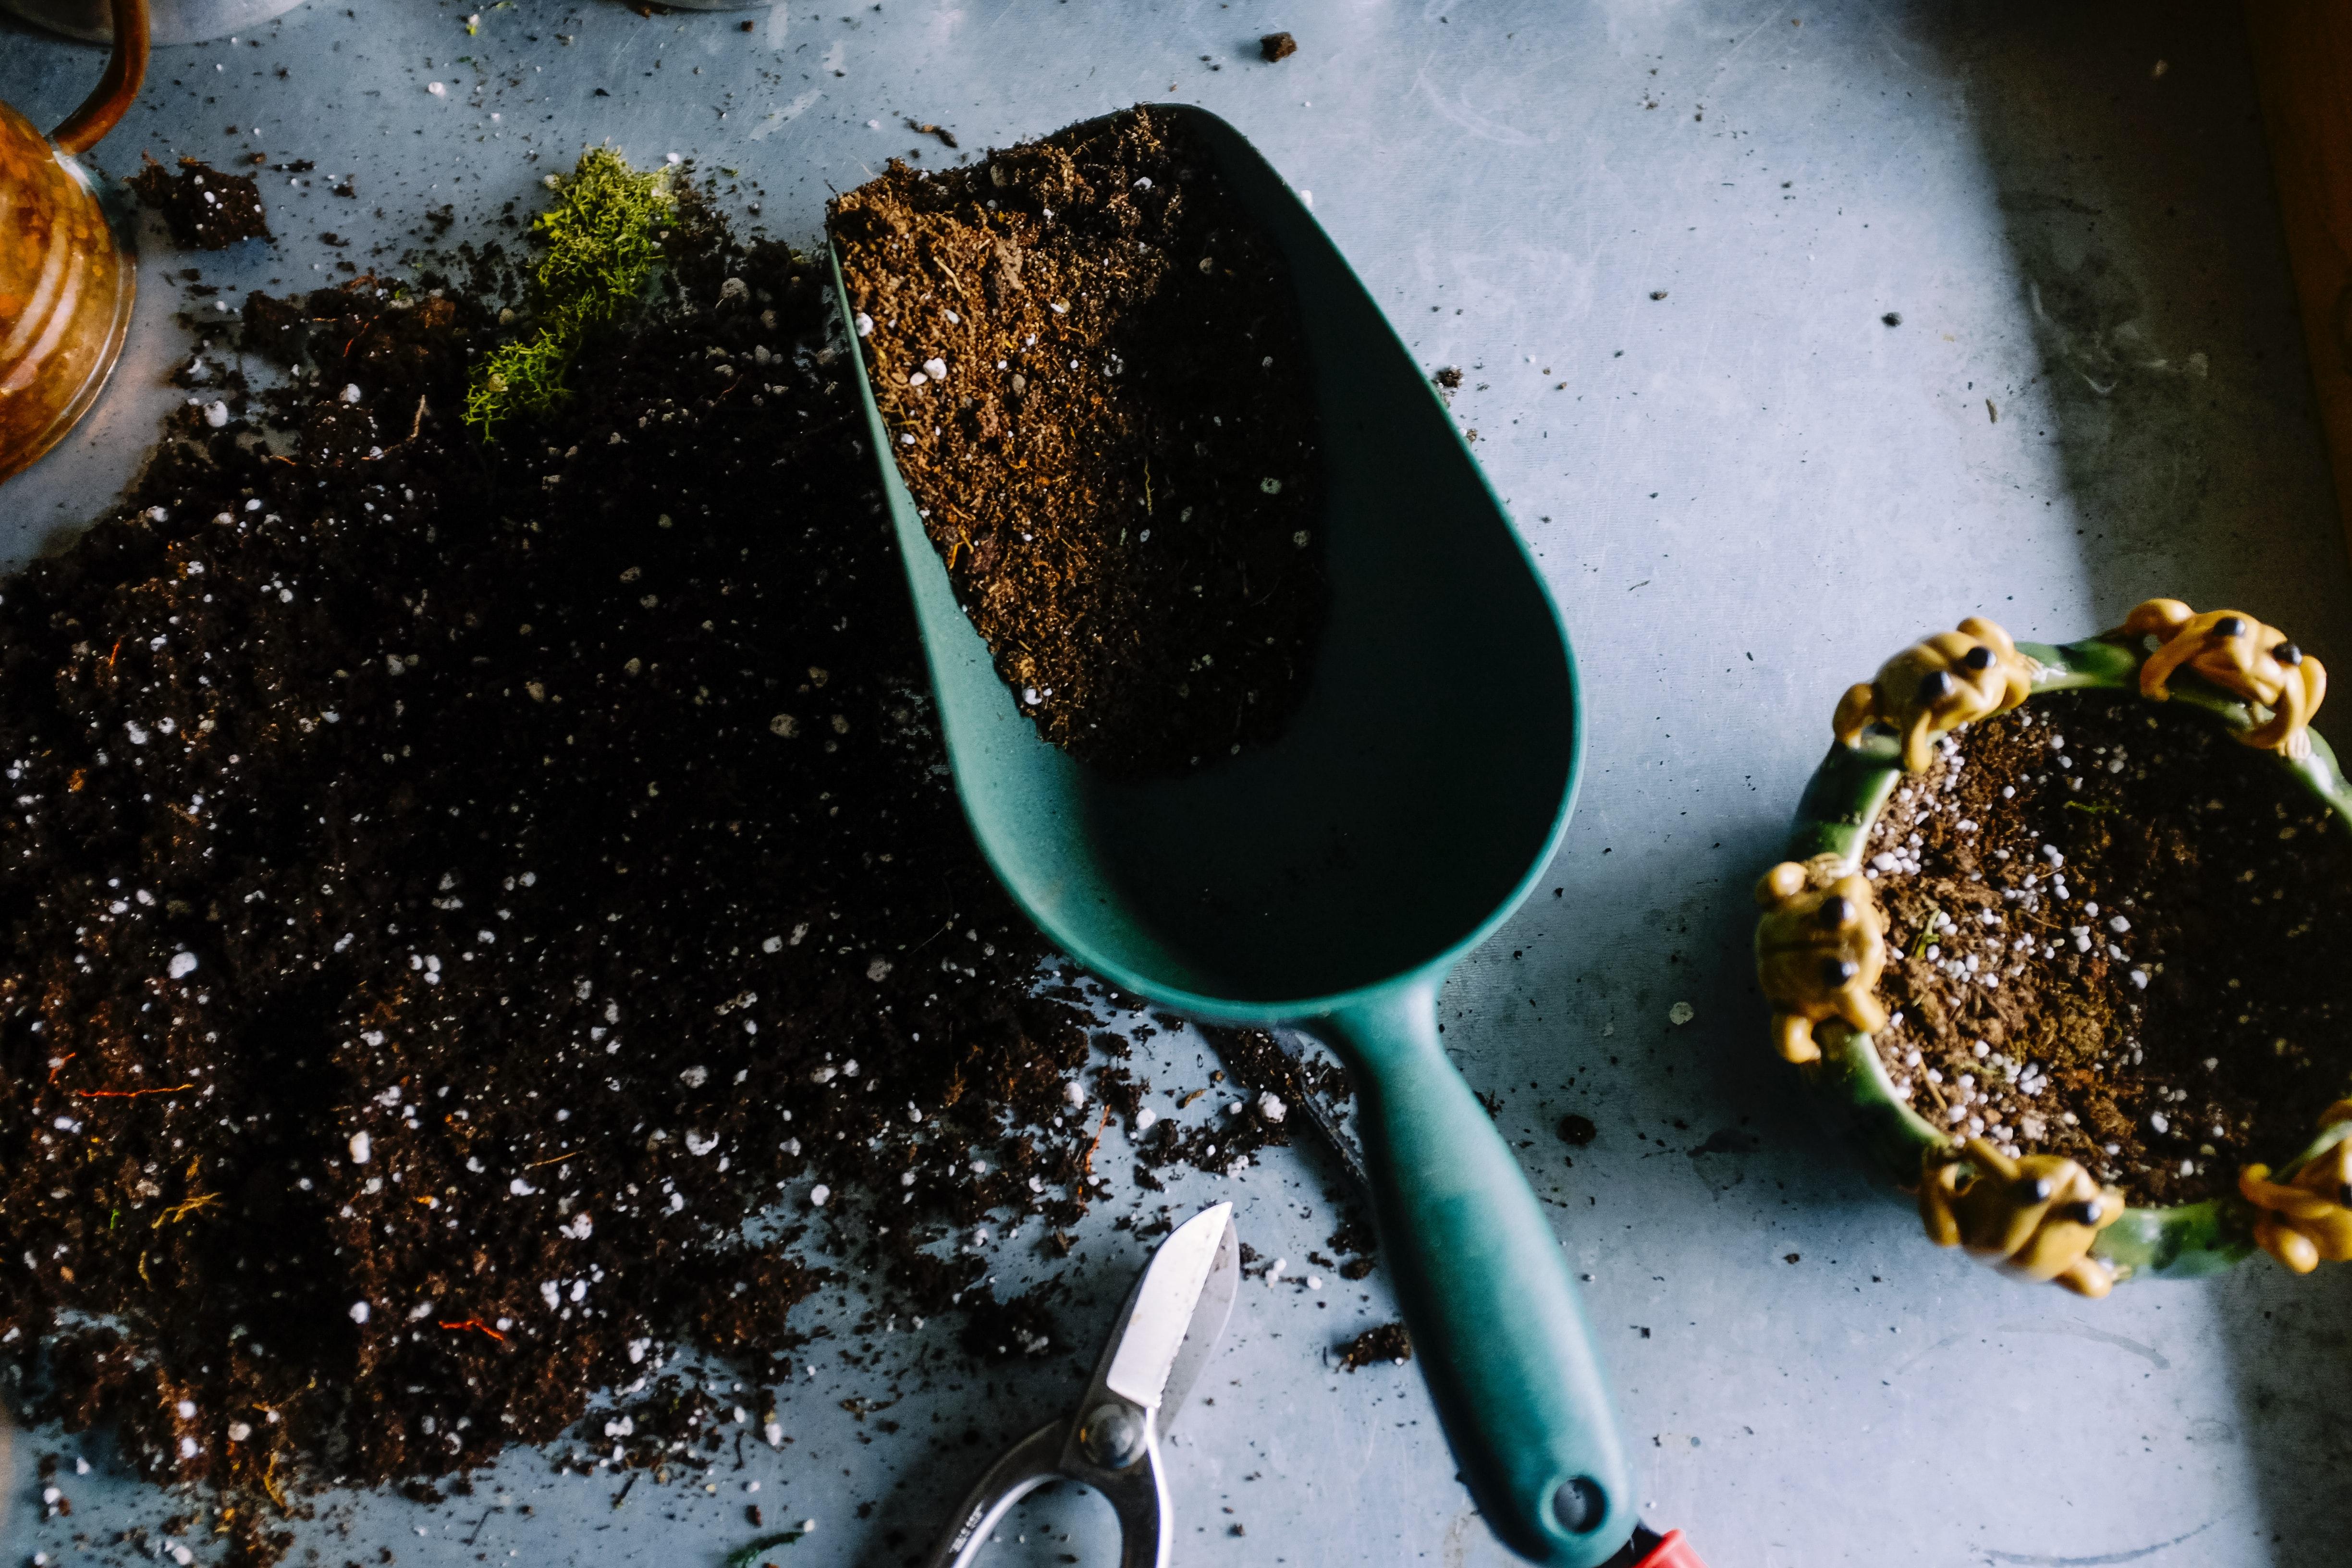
(1139, 1495)
(1026, 1466)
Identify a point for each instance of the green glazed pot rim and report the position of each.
(1841, 804)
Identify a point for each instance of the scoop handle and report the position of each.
(1485, 1291)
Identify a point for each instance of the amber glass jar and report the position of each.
(65, 284)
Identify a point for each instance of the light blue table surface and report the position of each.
(1749, 492)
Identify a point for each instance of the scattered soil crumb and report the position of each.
(204, 208)
(1276, 47)
(2107, 925)
(1017, 1327)
(1388, 1342)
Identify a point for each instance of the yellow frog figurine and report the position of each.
(2307, 1218)
(2241, 655)
(2033, 1218)
(1936, 685)
(1820, 948)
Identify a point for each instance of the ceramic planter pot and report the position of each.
(1820, 949)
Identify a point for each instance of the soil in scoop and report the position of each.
(2115, 931)
(1088, 359)
(204, 208)
(451, 889)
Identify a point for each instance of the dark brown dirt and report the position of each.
(1276, 47)
(204, 208)
(2157, 1000)
(1089, 363)
(1389, 1344)
(450, 889)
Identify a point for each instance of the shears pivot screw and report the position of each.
(1111, 1436)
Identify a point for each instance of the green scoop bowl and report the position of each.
(1330, 879)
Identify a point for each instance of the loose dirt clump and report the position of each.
(204, 208)
(1388, 1343)
(1088, 359)
(2108, 928)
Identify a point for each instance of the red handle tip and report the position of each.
(1671, 1552)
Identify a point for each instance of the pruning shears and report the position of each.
(1171, 1325)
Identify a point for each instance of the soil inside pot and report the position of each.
(2111, 935)
(1088, 359)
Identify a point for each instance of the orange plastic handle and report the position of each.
(1671, 1552)
(125, 69)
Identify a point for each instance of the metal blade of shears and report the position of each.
(1208, 1325)
(1177, 1311)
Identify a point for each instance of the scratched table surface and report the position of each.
(1669, 243)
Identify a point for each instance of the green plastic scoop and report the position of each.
(1330, 879)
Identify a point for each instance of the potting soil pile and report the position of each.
(1088, 359)
(2110, 932)
(452, 887)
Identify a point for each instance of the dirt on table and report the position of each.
(204, 208)
(2109, 929)
(452, 887)
(1387, 1344)
(1088, 359)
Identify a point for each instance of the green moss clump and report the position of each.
(601, 249)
